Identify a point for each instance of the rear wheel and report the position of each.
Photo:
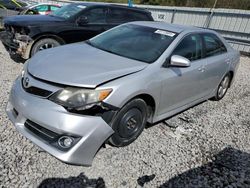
(43, 44)
(223, 87)
(129, 123)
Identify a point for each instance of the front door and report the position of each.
(95, 24)
(181, 86)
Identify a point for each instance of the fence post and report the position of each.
(173, 15)
(208, 20)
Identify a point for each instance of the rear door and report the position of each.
(139, 16)
(117, 16)
(181, 86)
(217, 62)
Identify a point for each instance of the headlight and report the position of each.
(79, 99)
(24, 71)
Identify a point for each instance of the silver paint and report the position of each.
(173, 89)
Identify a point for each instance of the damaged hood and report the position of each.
(32, 20)
(81, 65)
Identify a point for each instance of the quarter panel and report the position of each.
(216, 67)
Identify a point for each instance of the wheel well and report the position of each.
(150, 103)
(55, 37)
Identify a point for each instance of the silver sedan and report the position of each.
(70, 100)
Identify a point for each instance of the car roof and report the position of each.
(169, 27)
(90, 4)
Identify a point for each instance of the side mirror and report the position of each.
(179, 61)
(83, 20)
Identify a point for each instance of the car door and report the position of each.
(95, 23)
(217, 62)
(181, 86)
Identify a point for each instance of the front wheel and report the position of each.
(43, 44)
(223, 87)
(129, 123)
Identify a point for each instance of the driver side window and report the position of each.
(42, 8)
(190, 47)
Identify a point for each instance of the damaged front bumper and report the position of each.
(44, 123)
(17, 43)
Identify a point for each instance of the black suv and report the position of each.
(26, 35)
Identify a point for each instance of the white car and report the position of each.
(43, 9)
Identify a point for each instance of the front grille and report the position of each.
(41, 132)
(37, 91)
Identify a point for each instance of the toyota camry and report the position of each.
(72, 99)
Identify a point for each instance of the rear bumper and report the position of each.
(91, 130)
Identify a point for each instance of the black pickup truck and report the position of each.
(26, 35)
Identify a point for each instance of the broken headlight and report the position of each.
(79, 99)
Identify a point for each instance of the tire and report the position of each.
(129, 123)
(43, 44)
(223, 87)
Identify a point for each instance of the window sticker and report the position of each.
(81, 6)
(167, 33)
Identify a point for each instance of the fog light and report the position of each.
(65, 141)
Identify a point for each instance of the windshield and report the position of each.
(68, 11)
(135, 42)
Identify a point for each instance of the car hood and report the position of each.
(81, 65)
(30, 20)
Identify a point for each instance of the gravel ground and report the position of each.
(206, 146)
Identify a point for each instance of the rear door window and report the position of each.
(190, 47)
(117, 15)
(213, 45)
(96, 15)
(138, 16)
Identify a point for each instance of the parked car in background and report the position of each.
(75, 22)
(43, 9)
(12, 4)
(71, 99)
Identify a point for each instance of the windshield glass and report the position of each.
(68, 11)
(135, 42)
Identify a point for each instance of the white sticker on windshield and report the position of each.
(167, 33)
(81, 6)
